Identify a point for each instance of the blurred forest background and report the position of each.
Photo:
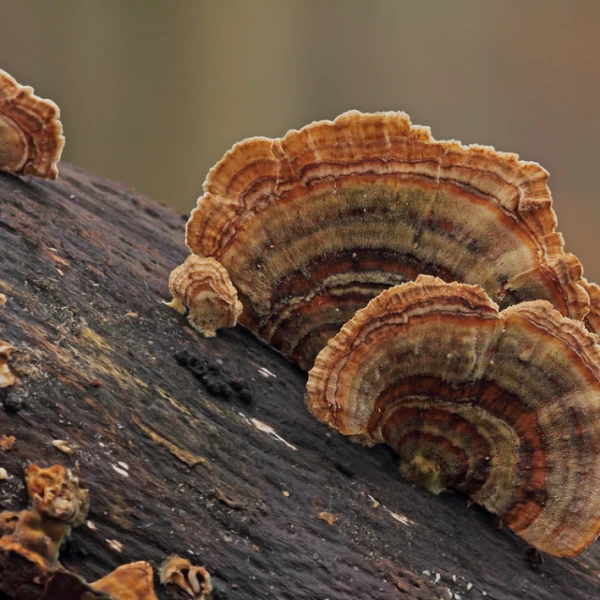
(153, 92)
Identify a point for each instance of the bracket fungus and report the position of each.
(59, 503)
(503, 406)
(312, 226)
(31, 134)
(204, 286)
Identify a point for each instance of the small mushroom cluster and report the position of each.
(424, 286)
(59, 502)
(135, 581)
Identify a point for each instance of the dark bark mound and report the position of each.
(171, 434)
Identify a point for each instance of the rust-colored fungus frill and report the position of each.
(592, 319)
(59, 503)
(312, 226)
(194, 580)
(128, 582)
(503, 406)
(31, 135)
(204, 286)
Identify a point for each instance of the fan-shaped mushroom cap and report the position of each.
(204, 286)
(31, 135)
(504, 407)
(310, 227)
(128, 582)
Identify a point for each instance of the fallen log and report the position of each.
(203, 447)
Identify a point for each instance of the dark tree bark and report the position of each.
(167, 431)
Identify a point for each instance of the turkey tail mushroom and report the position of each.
(503, 406)
(31, 134)
(312, 226)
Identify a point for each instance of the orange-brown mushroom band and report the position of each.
(503, 406)
(312, 226)
(31, 135)
(204, 286)
(592, 319)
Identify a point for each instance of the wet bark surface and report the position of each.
(204, 447)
